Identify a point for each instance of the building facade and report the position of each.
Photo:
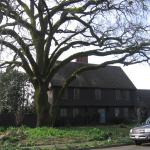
(101, 96)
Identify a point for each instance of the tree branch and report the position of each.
(98, 52)
(25, 64)
(21, 43)
(7, 10)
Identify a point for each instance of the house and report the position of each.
(101, 96)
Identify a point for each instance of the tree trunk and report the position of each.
(42, 106)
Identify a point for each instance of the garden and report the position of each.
(18, 138)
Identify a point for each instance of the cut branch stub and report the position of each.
(1, 17)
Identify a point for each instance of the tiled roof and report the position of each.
(112, 77)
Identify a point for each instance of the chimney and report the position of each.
(82, 60)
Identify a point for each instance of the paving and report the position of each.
(130, 147)
(127, 147)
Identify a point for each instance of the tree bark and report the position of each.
(42, 106)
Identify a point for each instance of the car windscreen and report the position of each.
(147, 121)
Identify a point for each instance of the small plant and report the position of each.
(9, 147)
(98, 134)
(2, 129)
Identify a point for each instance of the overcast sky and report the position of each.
(139, 74)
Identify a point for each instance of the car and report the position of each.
(141, 133)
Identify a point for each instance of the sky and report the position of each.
(139, 74)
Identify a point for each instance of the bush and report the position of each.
(99, 135)
(2, 129)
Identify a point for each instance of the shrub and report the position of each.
(99, 135)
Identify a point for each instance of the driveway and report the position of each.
(131, 147)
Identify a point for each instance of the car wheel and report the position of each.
(138, 142)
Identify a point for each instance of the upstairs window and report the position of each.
(98, 94)
(118, 94)
(125, 94)
(76, 93)
(122, 94)
(65, 94)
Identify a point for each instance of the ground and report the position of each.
(64, 138)
(131, 147)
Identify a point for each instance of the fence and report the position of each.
(10, 120)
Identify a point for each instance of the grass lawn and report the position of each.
(63, 138)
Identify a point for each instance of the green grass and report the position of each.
(80, 137)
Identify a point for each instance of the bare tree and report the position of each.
(35, 34)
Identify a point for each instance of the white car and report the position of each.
(141, 134)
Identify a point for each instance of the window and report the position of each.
(138, 98)
(65, 94)
(122, 94)
(118, 94)
(75, 112)
(76, 93)
(126, 112)
(98, 94)
(102, 115)
(117, 111)
(63, 112)
(125, 95)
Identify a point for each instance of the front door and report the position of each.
(102, 115)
